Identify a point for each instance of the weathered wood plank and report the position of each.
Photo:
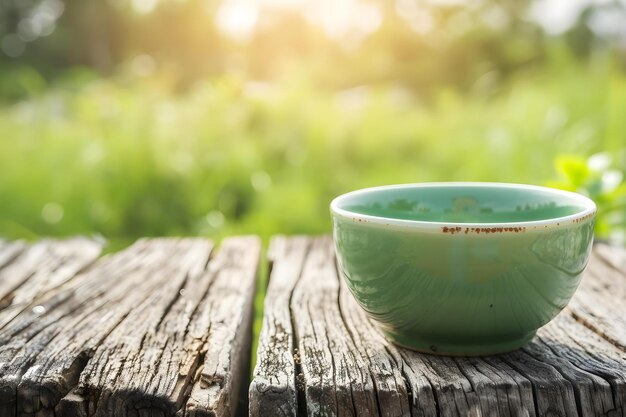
(127, 337)
(149, 333)
(9, 251)
(334, 368)
(600, 300)
(345, 366)
(45, 353)
(230, 313)
(614, 255)
(27, 272)
(273, 389)
(595, 369)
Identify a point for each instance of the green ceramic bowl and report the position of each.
(462, 268)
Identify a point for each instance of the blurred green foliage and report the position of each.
(123, 158)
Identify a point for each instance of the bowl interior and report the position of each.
(463, 203)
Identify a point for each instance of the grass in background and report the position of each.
(126, 159)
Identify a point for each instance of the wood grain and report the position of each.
(27, 272)
(9, 251)
(273, 389)
(344, 366)
(132, 335)
(225, 358)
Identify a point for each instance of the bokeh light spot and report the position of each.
(12, 45)
(237, 18)
(144, 6)
(143, 65)
(52, 213)
(215, 219)
(260, 180)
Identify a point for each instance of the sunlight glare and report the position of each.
(557, 16)
(143, 6)
(346, 18)
(352, 18)
(237, 18)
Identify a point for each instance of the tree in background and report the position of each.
(420, 44)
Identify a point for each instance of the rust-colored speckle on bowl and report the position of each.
(585, 217)
(479, 230)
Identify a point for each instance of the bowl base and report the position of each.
(460, 349)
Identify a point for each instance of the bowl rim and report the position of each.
(588, 212)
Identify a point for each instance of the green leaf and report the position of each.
(573, 169)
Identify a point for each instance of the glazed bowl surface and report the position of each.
(462, 268)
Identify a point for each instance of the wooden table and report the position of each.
(319, 355)
(159, 329)
(163, 328)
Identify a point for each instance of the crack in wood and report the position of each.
(196, 369)
(299, 381)
(9, 251)
(194, 377)
(230, 308)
